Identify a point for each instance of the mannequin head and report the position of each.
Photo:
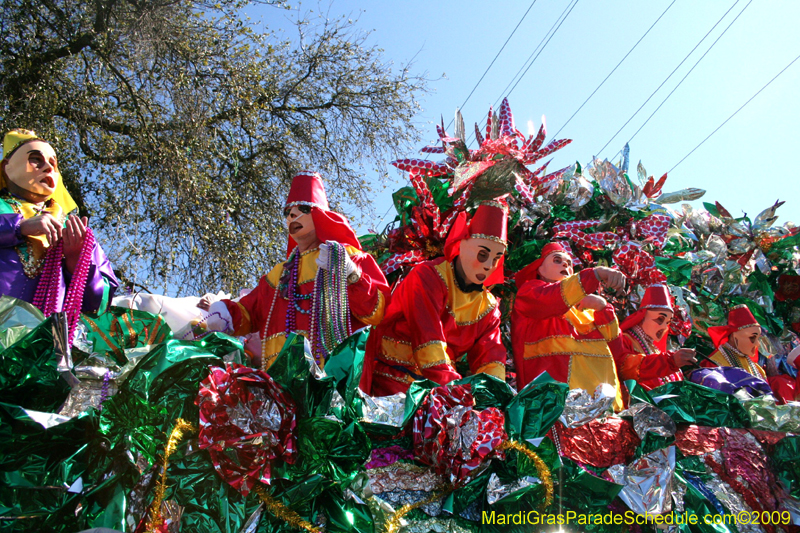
(31, 171)
(479, 258)
(746, 340)
(556, 267)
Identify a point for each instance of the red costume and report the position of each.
(270, 308)
(433, 320)
(549, 334)
(640, 357)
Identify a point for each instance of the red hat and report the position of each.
(655, 297)
(490, 221)
(532, 271)
(307, 189)
(739, 317)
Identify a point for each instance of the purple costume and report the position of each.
(100, 284)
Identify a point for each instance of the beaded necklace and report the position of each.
(732, 355)
(644, 340)
(47, 293)
(31, 266)
(330, 322)
(290, 287)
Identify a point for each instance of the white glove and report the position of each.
(218, 318)
(323, 262)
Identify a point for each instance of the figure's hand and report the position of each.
(684, 356)
(217, 318)
(593, 301)
(324, 259)
(207, 300)
(74, 233)
(324, 254)
(44, 224)
(610, 278)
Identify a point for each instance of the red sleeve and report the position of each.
(369, 296)
(248, 313)
(423, 299)
(488, 353)
(538, 299)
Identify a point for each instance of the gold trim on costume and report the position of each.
(374, 318)
(566, 345)
(465, 308)
(572, 291)
(488, 237)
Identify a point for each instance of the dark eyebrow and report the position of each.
(34, 151)
(485, 248)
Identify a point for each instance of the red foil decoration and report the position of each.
(246, 423)
(600, 443)
(453, 437)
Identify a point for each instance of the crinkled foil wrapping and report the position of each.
(648, 482)
(496, 490)
(85, 395)
(252, 523)
(767, 415)
(387, 410)
(793, 506)
(399, 498)
(648, 418)
(731, 499)
(582, 408)
(434, 525)
(472, 512)
(403, 476)
(579, 193)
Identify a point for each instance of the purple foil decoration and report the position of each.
(388, 456)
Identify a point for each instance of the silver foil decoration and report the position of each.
(728, 497)
(403, 476)
(793, 506)
(496, 490)
(434, 525)
(648, 418)
(252, 523)
(767, 415)
(579, 193)
(399, 498)
(580, 408)
(647, 482)
(386, 410)
(683, 195)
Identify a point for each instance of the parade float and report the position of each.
(134, 428)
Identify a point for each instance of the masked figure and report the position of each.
(34, 209)
(442, 310)
(560, 326)
(641, 352)
(737, 343)
(322, 249)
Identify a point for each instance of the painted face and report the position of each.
(33, 168)
(300, 222)
(479, 258)
(656, 323)
(556, 267)
(746, 340)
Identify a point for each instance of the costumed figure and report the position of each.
(36, 231)
(443, 309)
(737, 342)
(641, 351)
(785, 385)
(560, 326)
(326, 289)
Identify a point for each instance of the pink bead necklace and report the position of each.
(47, 293)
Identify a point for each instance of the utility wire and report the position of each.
(615, 68)
(734, 114)
(668, 77)
(493, 60)
(688, 73)
(543, 47)
(542, 44)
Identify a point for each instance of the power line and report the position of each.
(493, 60)
(688, 73)
(668, 77)
(543, 47)
(543, 43)
(735, 113)
(615, 68)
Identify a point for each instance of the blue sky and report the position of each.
(746, 165)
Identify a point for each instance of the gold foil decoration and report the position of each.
(175, 436)
(278, 509)
(541, 469)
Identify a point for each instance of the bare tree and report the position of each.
(179, 126)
